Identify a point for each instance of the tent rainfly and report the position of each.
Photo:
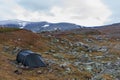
(30, 59)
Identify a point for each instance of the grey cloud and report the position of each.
(83, 12)
(39, 5)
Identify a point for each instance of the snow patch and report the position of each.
(46, 25)
(57, 28)
(22, 24)
(21, 27)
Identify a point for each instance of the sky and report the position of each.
(82, 12)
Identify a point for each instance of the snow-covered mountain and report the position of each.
(13, 23)
(38, 26)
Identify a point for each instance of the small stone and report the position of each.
(50, 70)
(89, 68)
(103, 49)
(46, 52)
(19, 39)
(6, 48)
(16, 50)
(39, 72)
(64, 65)
(89, 40)
(118, 77)
(60, 56)
(68, 69)
(52, 51)
(18, 72)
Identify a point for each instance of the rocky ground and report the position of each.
(71, 55)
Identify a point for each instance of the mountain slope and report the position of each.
(38, 26)
(110, 29)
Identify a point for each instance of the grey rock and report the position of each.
(55, 40)
(58, 55)
(84, 58)
(46, 52)
(77, 63)
(99, 38)
(52, 51)
(16, 50)
(18, 72)
(50, 61)
(64, 65)
(89, 40)
(96, 48)
(68, 69)
(60, 48)
(89, 68)
(39, 72)
(118, 77)
(117, 46)
(50, 70)
(81, 44)
(103, 49)
(73, 52)
(70, 44)
(6, 48)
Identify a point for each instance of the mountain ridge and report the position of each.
(42, 26)
(39, 26)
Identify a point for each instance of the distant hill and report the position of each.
(39, 26)
(110, 29)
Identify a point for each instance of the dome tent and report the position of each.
(30, 59)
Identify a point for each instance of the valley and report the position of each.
(77, 54)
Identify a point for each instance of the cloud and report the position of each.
(38, 4)
(83, 12)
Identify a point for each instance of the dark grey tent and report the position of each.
(30, 59)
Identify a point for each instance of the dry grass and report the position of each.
(39, 43)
